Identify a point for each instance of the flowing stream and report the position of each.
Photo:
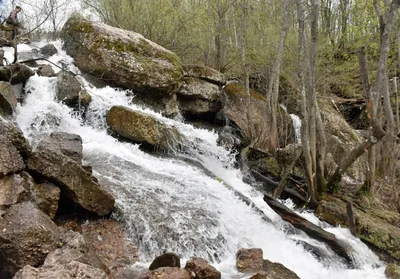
(179, 202)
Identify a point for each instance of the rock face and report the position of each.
(70, 91)
(72, 270)
(68, 144)
(199, 98)
(380, 228)
(27, 235)
(168, 273)
(8, 100)
(74, 181)
(110, 243)
(140, 127)
(249, 260)
(10, 160)
(125, 59)
(15, 73)
(166, 260)
(202, 269)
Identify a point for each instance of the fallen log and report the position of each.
(341, 249)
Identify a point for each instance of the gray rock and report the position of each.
(74, 248)
(204, 73)
(14, 134)
(27, 235)
(169, 273)
(15, 73)
(125, 59)
(197, 97)
(68, 144)
(68, 89)
(74, 181)
(8, 100)
(13, 189)
(10, 160)
(46, 197)
(167, 259)
(46, 71)
(72, 270)
(48, 50)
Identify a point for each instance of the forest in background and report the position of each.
(292, 51)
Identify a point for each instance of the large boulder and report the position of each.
(125, 59)
(70, 91)
(202, 269)
(74, 248)
(15, 73)
(48, 50)
(75, 182)
(278, 271)
(68, 144)
(204, 73)
(377, 227)
(8, 100)
(10, 159)
(199, 98)
(72, 270)
(169, 273)
(166, 260)
(27, 235)
(110, 242)
(140, 127)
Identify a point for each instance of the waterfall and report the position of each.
(297, 127)
(180, 203)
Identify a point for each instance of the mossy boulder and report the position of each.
(392, 271)
(142, 128)
(377, 227)
(205, 73)
(125, 59)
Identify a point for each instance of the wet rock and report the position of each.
(261, 275)
(125, 59)
(68, 144)
(199, 98)
(15, 73)
(27, 235)
(14, 134)
(74, 248)
(202, 269)
(8, 100)
(392, 271)
(249, 260)
(72, 270)
(70, 91)
(10, 159)
(48, 50)
(140, 127)
(278, 271)
(377, 227)
(204, 73)
(110, 242)
(46, 71)
(75, 183)
(46, 197)
(169, 273)
(13, 189)
(166, 260)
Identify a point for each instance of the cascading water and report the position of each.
(297, 127)
(180, 203)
